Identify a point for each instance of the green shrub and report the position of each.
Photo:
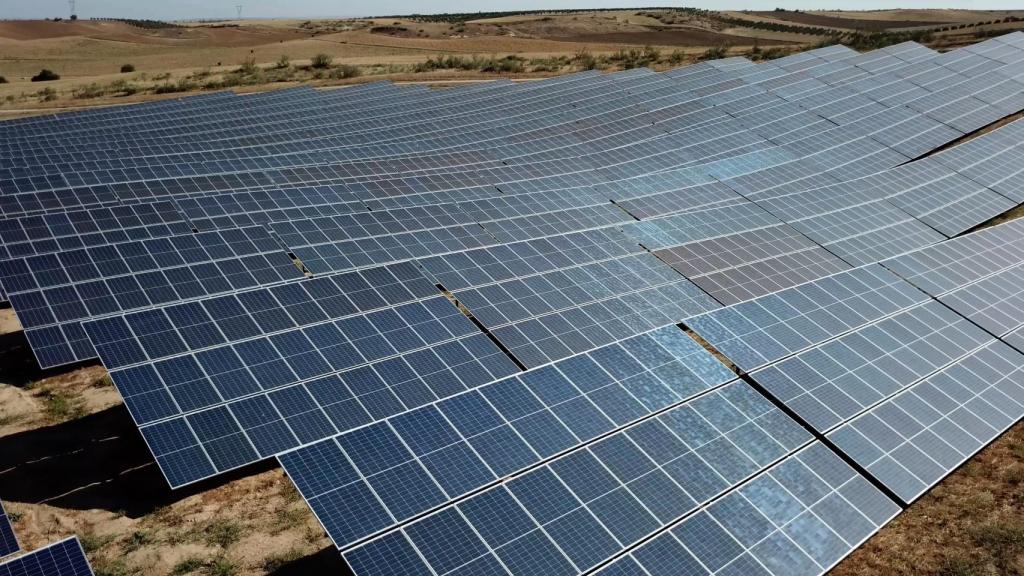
(282, 62)
(322, 60)
(45, 76)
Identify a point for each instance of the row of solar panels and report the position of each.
(649, 453)
(962, 78)
(71, 343)
(386, 403)
(54, 293)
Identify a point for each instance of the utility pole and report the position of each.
(238, 7)
(71, 4)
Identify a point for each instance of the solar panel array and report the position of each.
(8, 541)
(452, 315)
(64, 558)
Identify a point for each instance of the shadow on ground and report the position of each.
(326, 561)
(97, 461)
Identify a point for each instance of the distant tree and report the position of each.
(74, 16)
(126, 68)
(3, 80)
(45, 76)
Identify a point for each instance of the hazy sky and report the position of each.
(184, 9)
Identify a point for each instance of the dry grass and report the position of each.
(972, 523)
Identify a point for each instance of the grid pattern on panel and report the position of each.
(471, 268)
(953, 204)
(394, 342)
(54, 293)
(913, 440)
(764, 330)
(64, 558)
(996, 303)
(378, 250)
(581, 509)
(526, 297)
(60, 231)
(552, 223)
(421, 459)
(834, 382)
(992, 160)
(663, 232)
(745, 265)
(686, 200)
(960, 261)
(550, 337)
(800, 518)
(8, 542)
(868, 232)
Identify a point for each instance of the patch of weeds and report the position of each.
(135, 540)
(103, 567)
(92, 542)
(958, 566)
(188, 566)
(278, 561)
(61, 405)
(1003, 539)
(222, 567)
(14, 516)
(103, 382)
(287, 518)
(223, 533)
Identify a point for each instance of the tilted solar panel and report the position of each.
(65, 558)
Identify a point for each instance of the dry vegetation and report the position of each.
(111, 62)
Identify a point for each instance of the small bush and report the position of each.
(585, 60)
(187, 566)
(344, 71)
(223, 533)
(249, 67)
(3, 80)
(126, 68)
(282, 62)
(322, 61)
(45, 76)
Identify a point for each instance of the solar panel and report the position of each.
(580, 510)
(741, 266)
(8, 542)
(833, 382)
(767, 329)
(419, 460)
(352, 348)
(53, 293)
(802, 516)
(955, 263)
(64, 558)
(912, 441)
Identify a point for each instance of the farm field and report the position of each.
(256, 55)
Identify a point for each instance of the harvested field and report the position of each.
(816, 19)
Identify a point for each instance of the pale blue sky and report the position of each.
(184, 9)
